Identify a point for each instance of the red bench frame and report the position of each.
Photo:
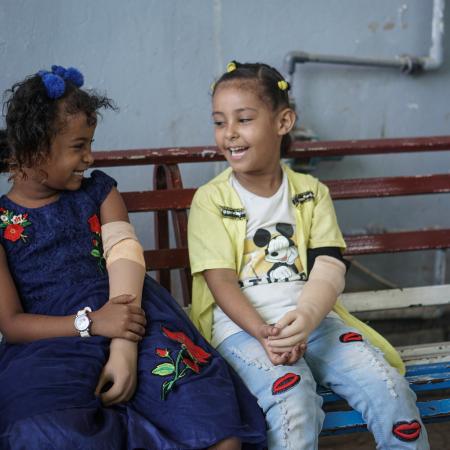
(168, 194)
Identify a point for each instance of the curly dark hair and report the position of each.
(4, 151)
(33, 119)
(263, 80)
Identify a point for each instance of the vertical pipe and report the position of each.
(440, 268)
(435, 57)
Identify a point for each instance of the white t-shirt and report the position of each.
(272, 275)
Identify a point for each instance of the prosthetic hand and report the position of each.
(326, 282)
(126, 269)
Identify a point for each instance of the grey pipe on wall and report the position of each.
(406, 63)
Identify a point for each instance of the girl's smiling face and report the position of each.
(70, 154)
(247, 131)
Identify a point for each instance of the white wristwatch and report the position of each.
(83, 322)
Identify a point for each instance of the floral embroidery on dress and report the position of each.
(97, 251)
(13, 225)
(181, 362)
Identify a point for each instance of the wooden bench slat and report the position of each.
(420, 369)
(369, 147)
(430, 380)
(351, 421)
(174, 258)
(163, 200)
(397, 242)
(177, 155)
(388, 186)
(417, 354)
(357, 245)
(149, 156)
(170, 199)
(397, 298)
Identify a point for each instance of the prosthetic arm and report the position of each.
(126, 269)
(124, 259)
(325, 283)
(319, 294)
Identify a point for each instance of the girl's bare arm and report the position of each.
(119, 319)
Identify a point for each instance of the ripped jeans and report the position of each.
(348, 365)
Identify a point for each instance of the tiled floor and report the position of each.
(438, 433)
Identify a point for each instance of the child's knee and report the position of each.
(290, 393)
(293, 411)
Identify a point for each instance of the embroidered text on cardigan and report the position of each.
(233, 213)
(303, 197)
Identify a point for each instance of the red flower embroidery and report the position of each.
(193, 365)
(97, 251)
(94, 224)
(163, 352)
(13, 225)
(196, 352)
(178, 363)
(13, 232)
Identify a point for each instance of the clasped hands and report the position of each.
(285, 341)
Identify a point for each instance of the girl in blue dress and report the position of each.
(95, 354)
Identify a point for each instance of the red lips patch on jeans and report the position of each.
(285, 382)
(407, 431)
(351, 336)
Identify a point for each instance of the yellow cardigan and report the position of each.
(216, 234)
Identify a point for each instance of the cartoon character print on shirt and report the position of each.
(274, 257)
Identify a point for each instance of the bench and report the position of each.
(428, 365)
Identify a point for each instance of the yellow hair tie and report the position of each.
(283, 85)
(231, 66)
(212, 86)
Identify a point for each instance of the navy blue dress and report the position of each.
(187, 397)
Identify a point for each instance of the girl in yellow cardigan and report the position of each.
(265, 251)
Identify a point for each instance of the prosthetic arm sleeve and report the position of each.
(124, 259)
(325, 283)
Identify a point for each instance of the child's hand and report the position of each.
(121, 372)
(285, 357)
(119, 319)
(294, 329)
(296, 353)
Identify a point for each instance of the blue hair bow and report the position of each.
(55, 81)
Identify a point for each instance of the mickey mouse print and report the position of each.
(271, 256)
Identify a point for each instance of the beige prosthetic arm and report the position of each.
(325, 283)
(124, 259)
(318, 296)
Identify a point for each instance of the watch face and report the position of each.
(82, 322)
